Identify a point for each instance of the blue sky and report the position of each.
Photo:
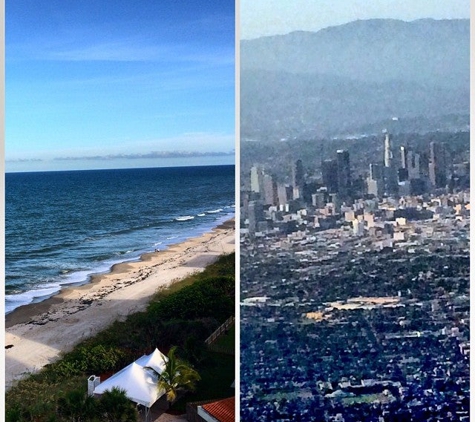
(120, 81)
(270, 17)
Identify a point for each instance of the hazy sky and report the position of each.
(108, 78)
(270, 17)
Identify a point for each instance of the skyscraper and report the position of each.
(410, 162)
(270, 190)
(298, 180)
(376, 172)
(402, 175)
(404, 157)
(256, 214)
(376, 180)
(343, 173)
(330, 175)
(257, 180)
(438, 165)
(282, 194)
(388, 154)
(413, 165)
(298, 175)
(390, 172)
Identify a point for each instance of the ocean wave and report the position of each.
(214, 211)
(69, 275)
(119, 253)
(133, 210)
(184, 218)
(16, 300)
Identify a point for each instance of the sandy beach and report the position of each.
(37, 334)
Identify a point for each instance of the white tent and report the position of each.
(140, 384)
(156, 360)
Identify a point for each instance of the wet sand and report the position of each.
(37, 334)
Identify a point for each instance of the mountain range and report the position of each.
(365, 74)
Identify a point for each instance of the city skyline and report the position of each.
(336, 181)
(110, 81)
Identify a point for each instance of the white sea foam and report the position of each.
(71, 277)
(14, 301)
(184, 218)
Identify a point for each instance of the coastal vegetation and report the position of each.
(113, 406)
(178, 318)
(176, 376)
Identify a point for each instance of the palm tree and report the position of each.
(177, 375)
(77, 406)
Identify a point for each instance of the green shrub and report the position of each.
(211, 297)
(90, 359)
(114, 406)
(101, 359)
(66, 368)
(13, 414)
(77, 406)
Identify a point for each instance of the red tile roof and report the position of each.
(222, 410)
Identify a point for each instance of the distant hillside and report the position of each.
(354, 75)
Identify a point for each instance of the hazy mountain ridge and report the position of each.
(377, 50)
(352, 75)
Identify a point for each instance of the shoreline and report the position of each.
(19, 314)
(102, 268)
(39, 332)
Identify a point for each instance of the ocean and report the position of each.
(62, 227)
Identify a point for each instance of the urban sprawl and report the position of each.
(355, 298)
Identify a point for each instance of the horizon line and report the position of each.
(119, 168)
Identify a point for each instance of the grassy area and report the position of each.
(288, 394)
(368, 399)
(225, 343)
(35, 398)
(227, 340)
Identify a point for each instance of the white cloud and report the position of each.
(186, 144)
(121, 50)
(108, 51)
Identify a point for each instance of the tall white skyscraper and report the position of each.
(388, 154)
(390, 172)
(256, 179)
